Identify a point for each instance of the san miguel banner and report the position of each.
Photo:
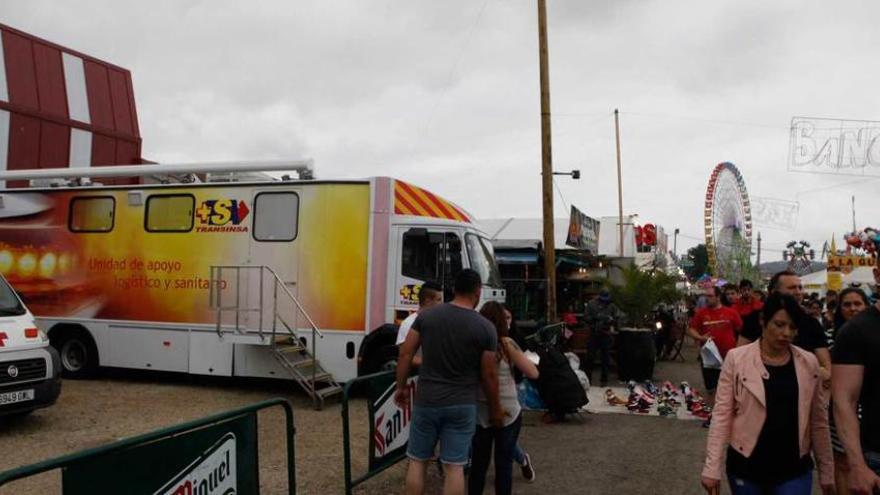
(389, 423)
(583, 232)
(216, 460)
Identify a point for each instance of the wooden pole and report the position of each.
(619, 181)
(854, 212)
(547, 166)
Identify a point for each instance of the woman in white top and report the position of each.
(504, 439)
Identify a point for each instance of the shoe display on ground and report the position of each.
(639, 390)
(652, 389)
(664, 398)
(613, 399)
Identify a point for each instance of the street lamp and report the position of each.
(575, 174)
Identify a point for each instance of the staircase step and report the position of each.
(328, 391)
(289, 348)
(303, 363)
(320, 377)
(286, 339)
(245, 338)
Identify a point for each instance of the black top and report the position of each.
(858, 342)
(810, 336)
(776, 457)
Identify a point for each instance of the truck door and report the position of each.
(273, 244)
(424, 254)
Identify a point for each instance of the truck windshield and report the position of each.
(482, 258)
(10, 305)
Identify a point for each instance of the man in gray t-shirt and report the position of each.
(458, 355)
(453, 339)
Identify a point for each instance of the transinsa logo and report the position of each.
(222, 215)
(213, 473)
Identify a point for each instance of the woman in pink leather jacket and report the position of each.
(770, 414)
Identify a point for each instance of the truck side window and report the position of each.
(91, 214)
(276, 216)
(434, 256)
(170, 213)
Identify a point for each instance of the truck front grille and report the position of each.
(28, 369)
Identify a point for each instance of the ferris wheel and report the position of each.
(728, 220)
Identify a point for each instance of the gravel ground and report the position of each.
(595, 454)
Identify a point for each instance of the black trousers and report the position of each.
(599, 346)
(504, 440)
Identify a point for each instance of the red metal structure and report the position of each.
(62, 108)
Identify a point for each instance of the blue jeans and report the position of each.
(519, 455)
(802, 485)
(504, 440)
(452, 426)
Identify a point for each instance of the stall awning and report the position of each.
(516, 258)
(576, 260)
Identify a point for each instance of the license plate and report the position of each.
(18, 396)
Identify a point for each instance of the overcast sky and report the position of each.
(445, 94)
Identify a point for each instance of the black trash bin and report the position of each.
(635, 354)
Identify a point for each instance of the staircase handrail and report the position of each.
(295, 301)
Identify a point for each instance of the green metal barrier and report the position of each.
(389, 424)
(214, 454)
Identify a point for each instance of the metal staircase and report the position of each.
(287, 346)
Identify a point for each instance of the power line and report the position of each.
(711, 121)
(703, 240)
(454, 68)
(561, 197)
(842, 184)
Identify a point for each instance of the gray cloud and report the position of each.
(434, 94)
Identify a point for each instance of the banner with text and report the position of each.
(389, 423)
(774, 213)
(219, 459)
(834, 146)
(583, 232)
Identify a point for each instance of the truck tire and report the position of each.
(378, 352)
(78, 352)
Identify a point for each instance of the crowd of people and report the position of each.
(797, 389)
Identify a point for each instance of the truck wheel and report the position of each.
(382, 359)
(79, 355)
(389, 362)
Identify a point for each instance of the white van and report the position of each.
(29, 366)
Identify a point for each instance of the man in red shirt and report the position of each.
(721, 324)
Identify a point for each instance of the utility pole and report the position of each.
(675, 245)
(547, 166)
(758, 261)
(619, 181)
(854, 213)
